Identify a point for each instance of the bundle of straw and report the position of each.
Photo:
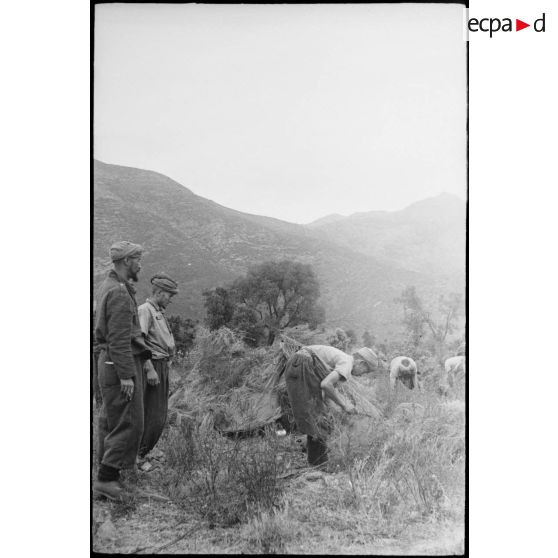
(365, 404)
(287, 348)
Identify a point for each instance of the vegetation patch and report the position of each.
(225, 481)
(396, 467)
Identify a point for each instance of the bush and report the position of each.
(224, 481)
(179, 448)
(340, 340)
(184, 333)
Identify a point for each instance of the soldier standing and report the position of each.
(159, 339)
(122, 352)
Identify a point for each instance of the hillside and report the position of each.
(204, 244)
(332, 218)
(394, 483)
(427, 236)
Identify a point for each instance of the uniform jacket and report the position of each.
(117, 327)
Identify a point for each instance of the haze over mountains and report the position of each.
(427, 236)
(362, 261)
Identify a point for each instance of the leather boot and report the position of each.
(109, 489)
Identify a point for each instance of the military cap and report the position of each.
(369, 356)
(124, 249)
(165, 282)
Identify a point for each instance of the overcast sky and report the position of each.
(289, 111)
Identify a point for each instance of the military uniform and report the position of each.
(95, 357)
(122, 352)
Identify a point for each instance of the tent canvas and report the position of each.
(252, 412)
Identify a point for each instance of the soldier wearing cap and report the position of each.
(311, 375)
(122, 352)
(159, 338)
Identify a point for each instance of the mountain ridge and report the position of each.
(204, 244)
(428, 235)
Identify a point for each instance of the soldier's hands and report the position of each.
(127, 388)
(152, 377)
(149, 369)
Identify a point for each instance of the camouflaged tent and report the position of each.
(243, 413)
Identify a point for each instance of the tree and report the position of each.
(184, 332)
(270, 297)
(281, 293)
(414, 315)
(245, 321)
(418, 319)
(219, 307)
(339, 339)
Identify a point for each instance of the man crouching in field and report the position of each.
(122, 350)
(158, 337)
(311, 374)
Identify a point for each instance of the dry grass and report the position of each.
(224, 481)
(397, 468)
(270, 532)
(409, 464)
(403, 453)
(305, 336)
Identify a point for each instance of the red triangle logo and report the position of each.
(519, 25)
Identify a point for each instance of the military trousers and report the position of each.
(303, 377)
(96, 388)
(120, 420)
(155, 407)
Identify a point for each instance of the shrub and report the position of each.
(184, 333)
(179, 447)
(269, 533)
(339, 339)
(224, 481)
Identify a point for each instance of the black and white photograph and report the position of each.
(251, 253)
(279, 279)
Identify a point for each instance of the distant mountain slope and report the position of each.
(332, 218)
(204, 244)
(428, 236)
